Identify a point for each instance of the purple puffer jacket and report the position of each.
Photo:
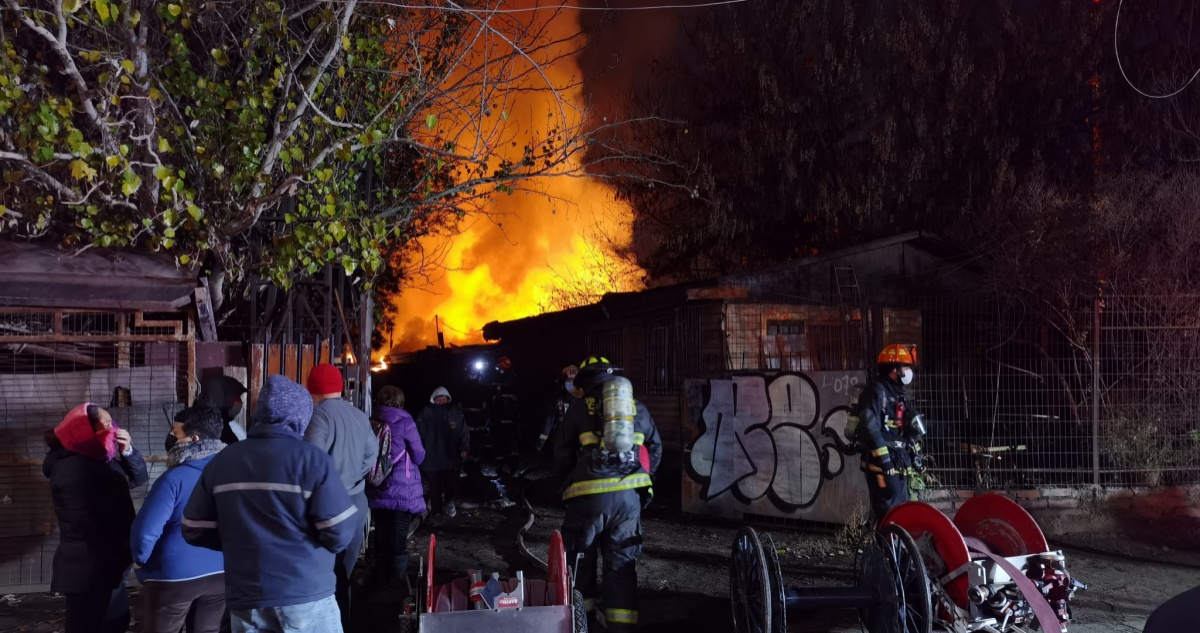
(403, 489)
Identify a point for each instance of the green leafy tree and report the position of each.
(280, 136)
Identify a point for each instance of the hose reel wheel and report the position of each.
(778, 597)
(894, 567)
(750, 590)
(892, 593)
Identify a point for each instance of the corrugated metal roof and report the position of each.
(610, 305)
(920, 239)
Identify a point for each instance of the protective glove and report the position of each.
(647, 496)
(888, 469)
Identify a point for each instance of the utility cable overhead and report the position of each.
(1117, 52)
(558, 7)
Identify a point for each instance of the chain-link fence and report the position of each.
(1092, 392)
(1149, 379)
(1079, 392)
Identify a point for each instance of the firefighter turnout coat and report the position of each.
(580, 433)
(604, 504)
(885, 412)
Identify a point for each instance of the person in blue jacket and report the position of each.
(277, 508)
(183, 586)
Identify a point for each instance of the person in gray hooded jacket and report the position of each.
(344, 432)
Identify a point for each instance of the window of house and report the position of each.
(785, 328)
(836, 346)
(785, 347)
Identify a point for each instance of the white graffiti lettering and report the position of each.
(775, 437)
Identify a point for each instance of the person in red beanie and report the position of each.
(92, 465)
(345, 433)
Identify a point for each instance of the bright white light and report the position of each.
(479, 365)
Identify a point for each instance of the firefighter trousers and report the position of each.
(887, 492)
(607, 524)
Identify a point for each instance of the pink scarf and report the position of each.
(76, 434)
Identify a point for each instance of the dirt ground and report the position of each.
(684, 575)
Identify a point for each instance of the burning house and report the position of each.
(805, 331)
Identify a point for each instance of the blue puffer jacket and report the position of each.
(275, 505)
(157, 534)
(402, 490)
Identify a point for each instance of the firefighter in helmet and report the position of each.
(606, 450)
(890, 430)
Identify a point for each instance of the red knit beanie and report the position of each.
(325, 379)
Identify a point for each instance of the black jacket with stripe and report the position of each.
(885, 412)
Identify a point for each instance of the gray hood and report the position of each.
(284, 402)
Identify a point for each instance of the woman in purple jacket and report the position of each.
(400, 497)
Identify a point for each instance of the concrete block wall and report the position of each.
(1061, 510)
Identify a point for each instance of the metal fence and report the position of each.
(796, 337)
(137, 366)
(1079, 392)
(321, 319)
(1148, 382)
(1097, 391)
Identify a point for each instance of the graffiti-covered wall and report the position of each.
(771, 445)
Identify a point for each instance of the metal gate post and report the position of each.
(365, 328)
(1096, 391)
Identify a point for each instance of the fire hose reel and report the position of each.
(990, 570)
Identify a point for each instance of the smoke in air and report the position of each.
(531, 252)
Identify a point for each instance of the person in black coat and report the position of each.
(1177, 614)
(223, 393)
(91, 466)
(447, 442)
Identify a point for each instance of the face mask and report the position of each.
(108, 439)
(171, 442)
(569, 386)
(906, 375)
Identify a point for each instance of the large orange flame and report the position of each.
(531, 252)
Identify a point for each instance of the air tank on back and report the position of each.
(619, 411)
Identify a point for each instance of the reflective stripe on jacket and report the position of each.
(882, 436)
(581, 435)
(276, 506)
